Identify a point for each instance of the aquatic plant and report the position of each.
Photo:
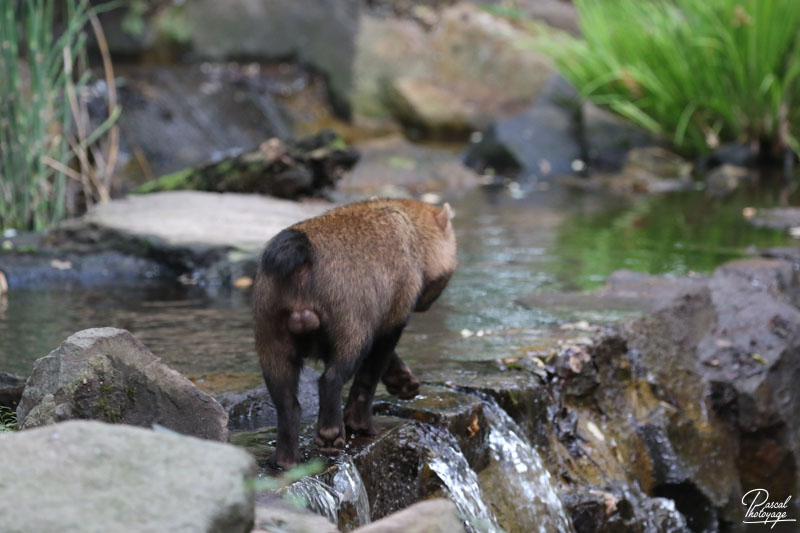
(8, 419)
(697, 72)
(44, 123)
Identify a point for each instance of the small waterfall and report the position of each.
(316, 496)
(519, 467)
(343, 501)
(353, 500)
(460, 481)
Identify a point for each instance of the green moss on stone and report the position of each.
(170, 182)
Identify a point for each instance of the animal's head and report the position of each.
(441, 258)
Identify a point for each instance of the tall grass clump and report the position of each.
(697, 72)
(43, 118)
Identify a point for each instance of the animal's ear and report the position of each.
(443, 216)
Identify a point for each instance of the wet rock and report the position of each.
(689, 444)
(52, 267)
(107, 374)
(542, 141)
(317, 33)
(392, 166)
(278, 515)
(399, 456)
(470, 55)
(594, 511)
(101, 477)
(726, 179)
(651, 170)
(461, 414)
(624, 291)
(254, 409)
(752, 369)
(736, 154)
(207, 235)
(517, 390)
(11, 386)
(779, 218)
(718, 356)
(391, 464)
(291, 169)
(608, 138)
(430, 516)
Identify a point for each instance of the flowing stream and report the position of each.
(460, 482)
(344, 501)
(518, 466)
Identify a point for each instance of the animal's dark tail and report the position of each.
(285, 252)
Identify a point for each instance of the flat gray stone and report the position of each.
(87, 477)
(188, 218)
(430, 516)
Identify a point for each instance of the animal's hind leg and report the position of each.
(338, 369)
(358, 411)
(281, 367)
(398, 378)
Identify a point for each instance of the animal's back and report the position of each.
(369, 261)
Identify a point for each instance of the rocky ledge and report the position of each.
(659, 424)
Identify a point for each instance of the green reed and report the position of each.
(42, 52)
(698, 72)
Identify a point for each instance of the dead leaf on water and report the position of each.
(60, 265)
(473, 427)
(244, 282)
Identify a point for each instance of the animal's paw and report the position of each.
(358, 419)
(330, 439)
(401, 382)
(284, 460)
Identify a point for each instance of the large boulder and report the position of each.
(724, 356)
(543, 141)
(84, 476)
(107, 374)
(609, 137)
(187, 115)
(448, 80)
(317, 33)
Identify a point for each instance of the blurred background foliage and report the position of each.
(697, 72)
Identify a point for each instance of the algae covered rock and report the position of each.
(107, 374)
(85, 476)
(285, 169)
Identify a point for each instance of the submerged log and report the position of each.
(285, 169)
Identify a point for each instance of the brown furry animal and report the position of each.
(341, 287)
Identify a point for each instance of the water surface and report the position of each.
(508, 248)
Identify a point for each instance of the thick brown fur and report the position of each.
(341, 287)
